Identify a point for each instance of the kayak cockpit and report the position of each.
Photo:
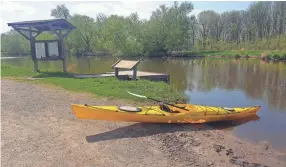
(130, 109)
(166, 108)
(162, 107)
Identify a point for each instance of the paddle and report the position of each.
(145, 97)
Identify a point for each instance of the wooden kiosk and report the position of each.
(45, 50)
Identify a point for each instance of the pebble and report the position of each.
(229, 152)
(218, 148)
(210, 163)
(265, 145)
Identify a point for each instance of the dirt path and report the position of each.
(39, 129)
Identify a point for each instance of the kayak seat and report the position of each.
(129, 108)
(164, 107)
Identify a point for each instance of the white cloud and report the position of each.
(90, 8)
(144, 9)
(23, 11)
(12, 7)
(124, 8)
(2, 25)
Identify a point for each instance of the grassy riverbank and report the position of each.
(270, 55)
(106, 87)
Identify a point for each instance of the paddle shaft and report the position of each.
(145, 97)
(167, 103)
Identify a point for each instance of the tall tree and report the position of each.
(14, 43)
(84, 33)
(194, 25)
(205, 24)
(169, 29)
(258, 12)
(61, 12)
(279, 13)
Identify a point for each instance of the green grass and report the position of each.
(105, 87)
(277, 54)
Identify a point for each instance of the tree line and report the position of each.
(262, 20)
(168, 30)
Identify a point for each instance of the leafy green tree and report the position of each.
(194, 27)
(14, 43)
(279, 17)
(84, 34)
(204, 22)
(169, 29)
(61, 12)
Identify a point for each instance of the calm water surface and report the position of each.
(219, 82)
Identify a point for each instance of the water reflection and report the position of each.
(258, 81)
(230, 125)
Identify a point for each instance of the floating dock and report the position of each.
(128, 72)
(128, 75)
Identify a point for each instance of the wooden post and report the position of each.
(63, 53)
(62, 48)
(116, 72)
(36, 68)
(64, 65)
(33, 50)
(134, 73)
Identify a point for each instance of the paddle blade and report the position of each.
(141, 96)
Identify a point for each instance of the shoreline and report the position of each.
(267, 59)
(50, 127)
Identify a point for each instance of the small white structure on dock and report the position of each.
(126, 65)
(129, 72)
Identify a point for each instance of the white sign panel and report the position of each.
(40, 50)
(53, 49)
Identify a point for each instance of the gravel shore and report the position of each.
(39, 129)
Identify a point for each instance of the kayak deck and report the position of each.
(155, 114)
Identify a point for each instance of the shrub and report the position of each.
(283, 57)
(266, 57)
(263, 56)
(237, 56)
(275, 57)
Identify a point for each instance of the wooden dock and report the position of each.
(128, 75)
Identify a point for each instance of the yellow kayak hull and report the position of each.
(153, 114)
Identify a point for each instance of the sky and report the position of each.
(13, 11)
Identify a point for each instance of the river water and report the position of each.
(219, 82)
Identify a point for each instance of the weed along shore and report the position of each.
(253, 54)
(38, 126)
